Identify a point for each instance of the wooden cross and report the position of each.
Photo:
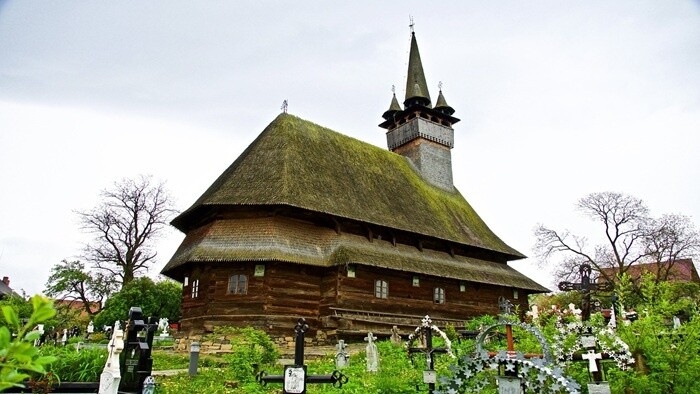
(585, 287)
(428, 351)
(295, 377)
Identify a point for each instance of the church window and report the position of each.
(416, 281)
(351, 271)
(259, 270)
(462, 287)
(238, 284)
(381, 289)
(195, 288)
(515, 294)
(186, 281)
(439, 295)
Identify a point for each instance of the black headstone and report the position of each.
(135, 360)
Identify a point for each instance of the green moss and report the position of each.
(298, 163)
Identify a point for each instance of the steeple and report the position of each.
(441, 104)
(419, 132)
(416, 87)
(394, 107)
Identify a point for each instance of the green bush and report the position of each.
(71, 365)
(18, 357)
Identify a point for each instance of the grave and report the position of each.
(371, 353)
(111, 375)
(514, 370)
(341, 357)
(591, 339)
(135, 361)
(425, 330)
(295, 378)
(585, 287)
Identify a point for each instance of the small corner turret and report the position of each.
(420, 132)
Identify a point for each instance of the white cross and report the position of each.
(591, 356)
(575, 311)
(534, 312)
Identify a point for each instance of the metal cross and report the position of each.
(295, 377)
(411, 24)
(428, 350)
(285, 105)
(585, 287)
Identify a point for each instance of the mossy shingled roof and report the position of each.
(299, 242)
(297, 163)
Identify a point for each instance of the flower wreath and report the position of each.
(605, 338)
(428, 323)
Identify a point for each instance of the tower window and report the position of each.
(195, 288)
(381, 289)
(238, 284)
(439, 295)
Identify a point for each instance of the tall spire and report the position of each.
(416, 87)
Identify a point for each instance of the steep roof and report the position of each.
(416, 86)
(297, 163)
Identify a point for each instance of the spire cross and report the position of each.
(393, 89)
(411, 24)
(285, 104)
(440, 85)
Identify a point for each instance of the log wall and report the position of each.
(332, 302)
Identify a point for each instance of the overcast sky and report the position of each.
(557, 100)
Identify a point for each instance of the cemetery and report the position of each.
(549, 349)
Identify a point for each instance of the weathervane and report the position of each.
(412, 24)
(285, 104)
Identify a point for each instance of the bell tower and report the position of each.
(419, 131)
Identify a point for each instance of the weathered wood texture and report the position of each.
(332, 302)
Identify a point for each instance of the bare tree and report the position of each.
(125, 224)
(69, 281)
(630, 236)
(671, 238)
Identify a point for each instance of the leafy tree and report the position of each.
(125, 225)
(630, 236)
(160, 299)
(21, 306)
(19, 357)
(70, 281)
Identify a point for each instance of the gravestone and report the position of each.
(90, 329)
(534, 312)
(163, 326)
(509, 385)
(40, 329)
(395, 336)
(372, 353)
(341, 357)
(136, 362)
(110, 377)
(574, 311)
(64, 338)
(676, 323)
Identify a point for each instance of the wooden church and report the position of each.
(308, 222)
